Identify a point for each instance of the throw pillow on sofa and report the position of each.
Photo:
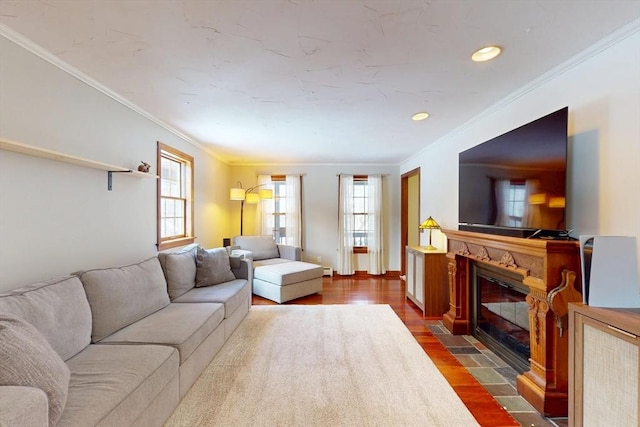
(179, 270)
(27, 359)
(213, 267)
(121, 296)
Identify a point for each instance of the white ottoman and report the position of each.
(281, 280)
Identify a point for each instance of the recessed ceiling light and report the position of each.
(419, 116)
(486, 53)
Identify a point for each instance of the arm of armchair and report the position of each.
(23, 406)
(293, 253)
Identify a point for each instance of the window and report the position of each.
(279, 208)
(515, 203)
(360, 213)
(175, 198)
(281, 216)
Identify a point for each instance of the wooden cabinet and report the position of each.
(604, 366)
(427, 280)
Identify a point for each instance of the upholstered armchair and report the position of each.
(264, 250)
(278, 273)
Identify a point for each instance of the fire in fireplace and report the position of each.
(500, 318)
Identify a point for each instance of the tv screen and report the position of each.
(515, 183)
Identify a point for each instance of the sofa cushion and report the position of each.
(121, 296)
(183, 326)
(27, 359)
(262, 247)
(231, 294)
(179, 270)
(213, 267)
(23, 406)
(113, 384)
(286, 273)
(270, 261)
(58, 309)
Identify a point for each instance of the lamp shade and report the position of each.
(557, 202)
(266, 193)
(538, 199)
(236, 194)
(429, 224)
(252, 198)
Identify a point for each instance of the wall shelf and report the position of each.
(44, 153)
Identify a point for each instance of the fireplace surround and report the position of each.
(546, 270)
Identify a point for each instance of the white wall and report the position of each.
(320, 208)
(602, 90)
(56, 218)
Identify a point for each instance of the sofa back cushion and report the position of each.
(179, 270)
(213, 267)
(57, 308)
(262, 247)
(27, 359)
(121, 296)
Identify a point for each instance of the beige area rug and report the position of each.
(325, 365)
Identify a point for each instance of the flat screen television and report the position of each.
(515, 183)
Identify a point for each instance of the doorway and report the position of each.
(409, 214)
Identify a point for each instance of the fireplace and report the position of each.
(485, 269)
(499, 314)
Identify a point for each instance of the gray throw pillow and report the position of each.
(180, 271)
(27, 359)
(213, 267)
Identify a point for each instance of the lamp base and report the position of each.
(430, 248)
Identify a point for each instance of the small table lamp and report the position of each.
(429, 224)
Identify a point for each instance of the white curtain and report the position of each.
(345, 226)
(530, 213)
(375, 242)
(502, 202)
(264, 209)
(293, 213)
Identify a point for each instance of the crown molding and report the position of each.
(595, 49)
(41, 52)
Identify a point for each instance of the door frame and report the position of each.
(404, 214)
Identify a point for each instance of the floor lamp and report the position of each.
(239, 193)
(429, 224)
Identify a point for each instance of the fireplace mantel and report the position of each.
(541, 264)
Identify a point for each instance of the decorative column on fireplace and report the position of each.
(543, 266)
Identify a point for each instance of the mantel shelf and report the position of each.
(44, 153)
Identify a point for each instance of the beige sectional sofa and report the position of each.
(117, 346)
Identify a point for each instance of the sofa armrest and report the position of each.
(241, 253)
(241, 267)
(23, 406)
(293, 253)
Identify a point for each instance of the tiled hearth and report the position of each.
(496, 376)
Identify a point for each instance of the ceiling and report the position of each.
(319, 82)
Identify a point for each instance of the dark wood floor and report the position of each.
(343, 290)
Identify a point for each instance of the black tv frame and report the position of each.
(522, 232)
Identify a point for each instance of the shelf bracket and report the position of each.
(110, 178)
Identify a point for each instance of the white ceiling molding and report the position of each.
(39, 51)
(616, 37)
